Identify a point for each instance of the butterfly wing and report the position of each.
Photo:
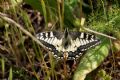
(52, 41)
(81, 42)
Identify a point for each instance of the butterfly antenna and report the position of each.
(66, 33)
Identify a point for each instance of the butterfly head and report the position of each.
(66, 39)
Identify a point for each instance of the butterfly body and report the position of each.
(69, 45)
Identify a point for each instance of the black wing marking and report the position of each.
(50, 34)
(81, 35)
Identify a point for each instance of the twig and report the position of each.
(82, 23)
(99, 33)
(9, 20)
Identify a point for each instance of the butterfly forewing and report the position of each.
(84, 40)
(79, 43)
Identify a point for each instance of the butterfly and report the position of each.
(68, 44)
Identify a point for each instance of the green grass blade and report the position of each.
(3, 66)
(10, 74)
(44, 11)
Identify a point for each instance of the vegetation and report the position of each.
(22, 56)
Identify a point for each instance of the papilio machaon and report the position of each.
(67, 44)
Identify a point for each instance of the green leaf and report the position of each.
(92, 60)
(102, 73)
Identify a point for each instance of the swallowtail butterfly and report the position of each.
(69, 45)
